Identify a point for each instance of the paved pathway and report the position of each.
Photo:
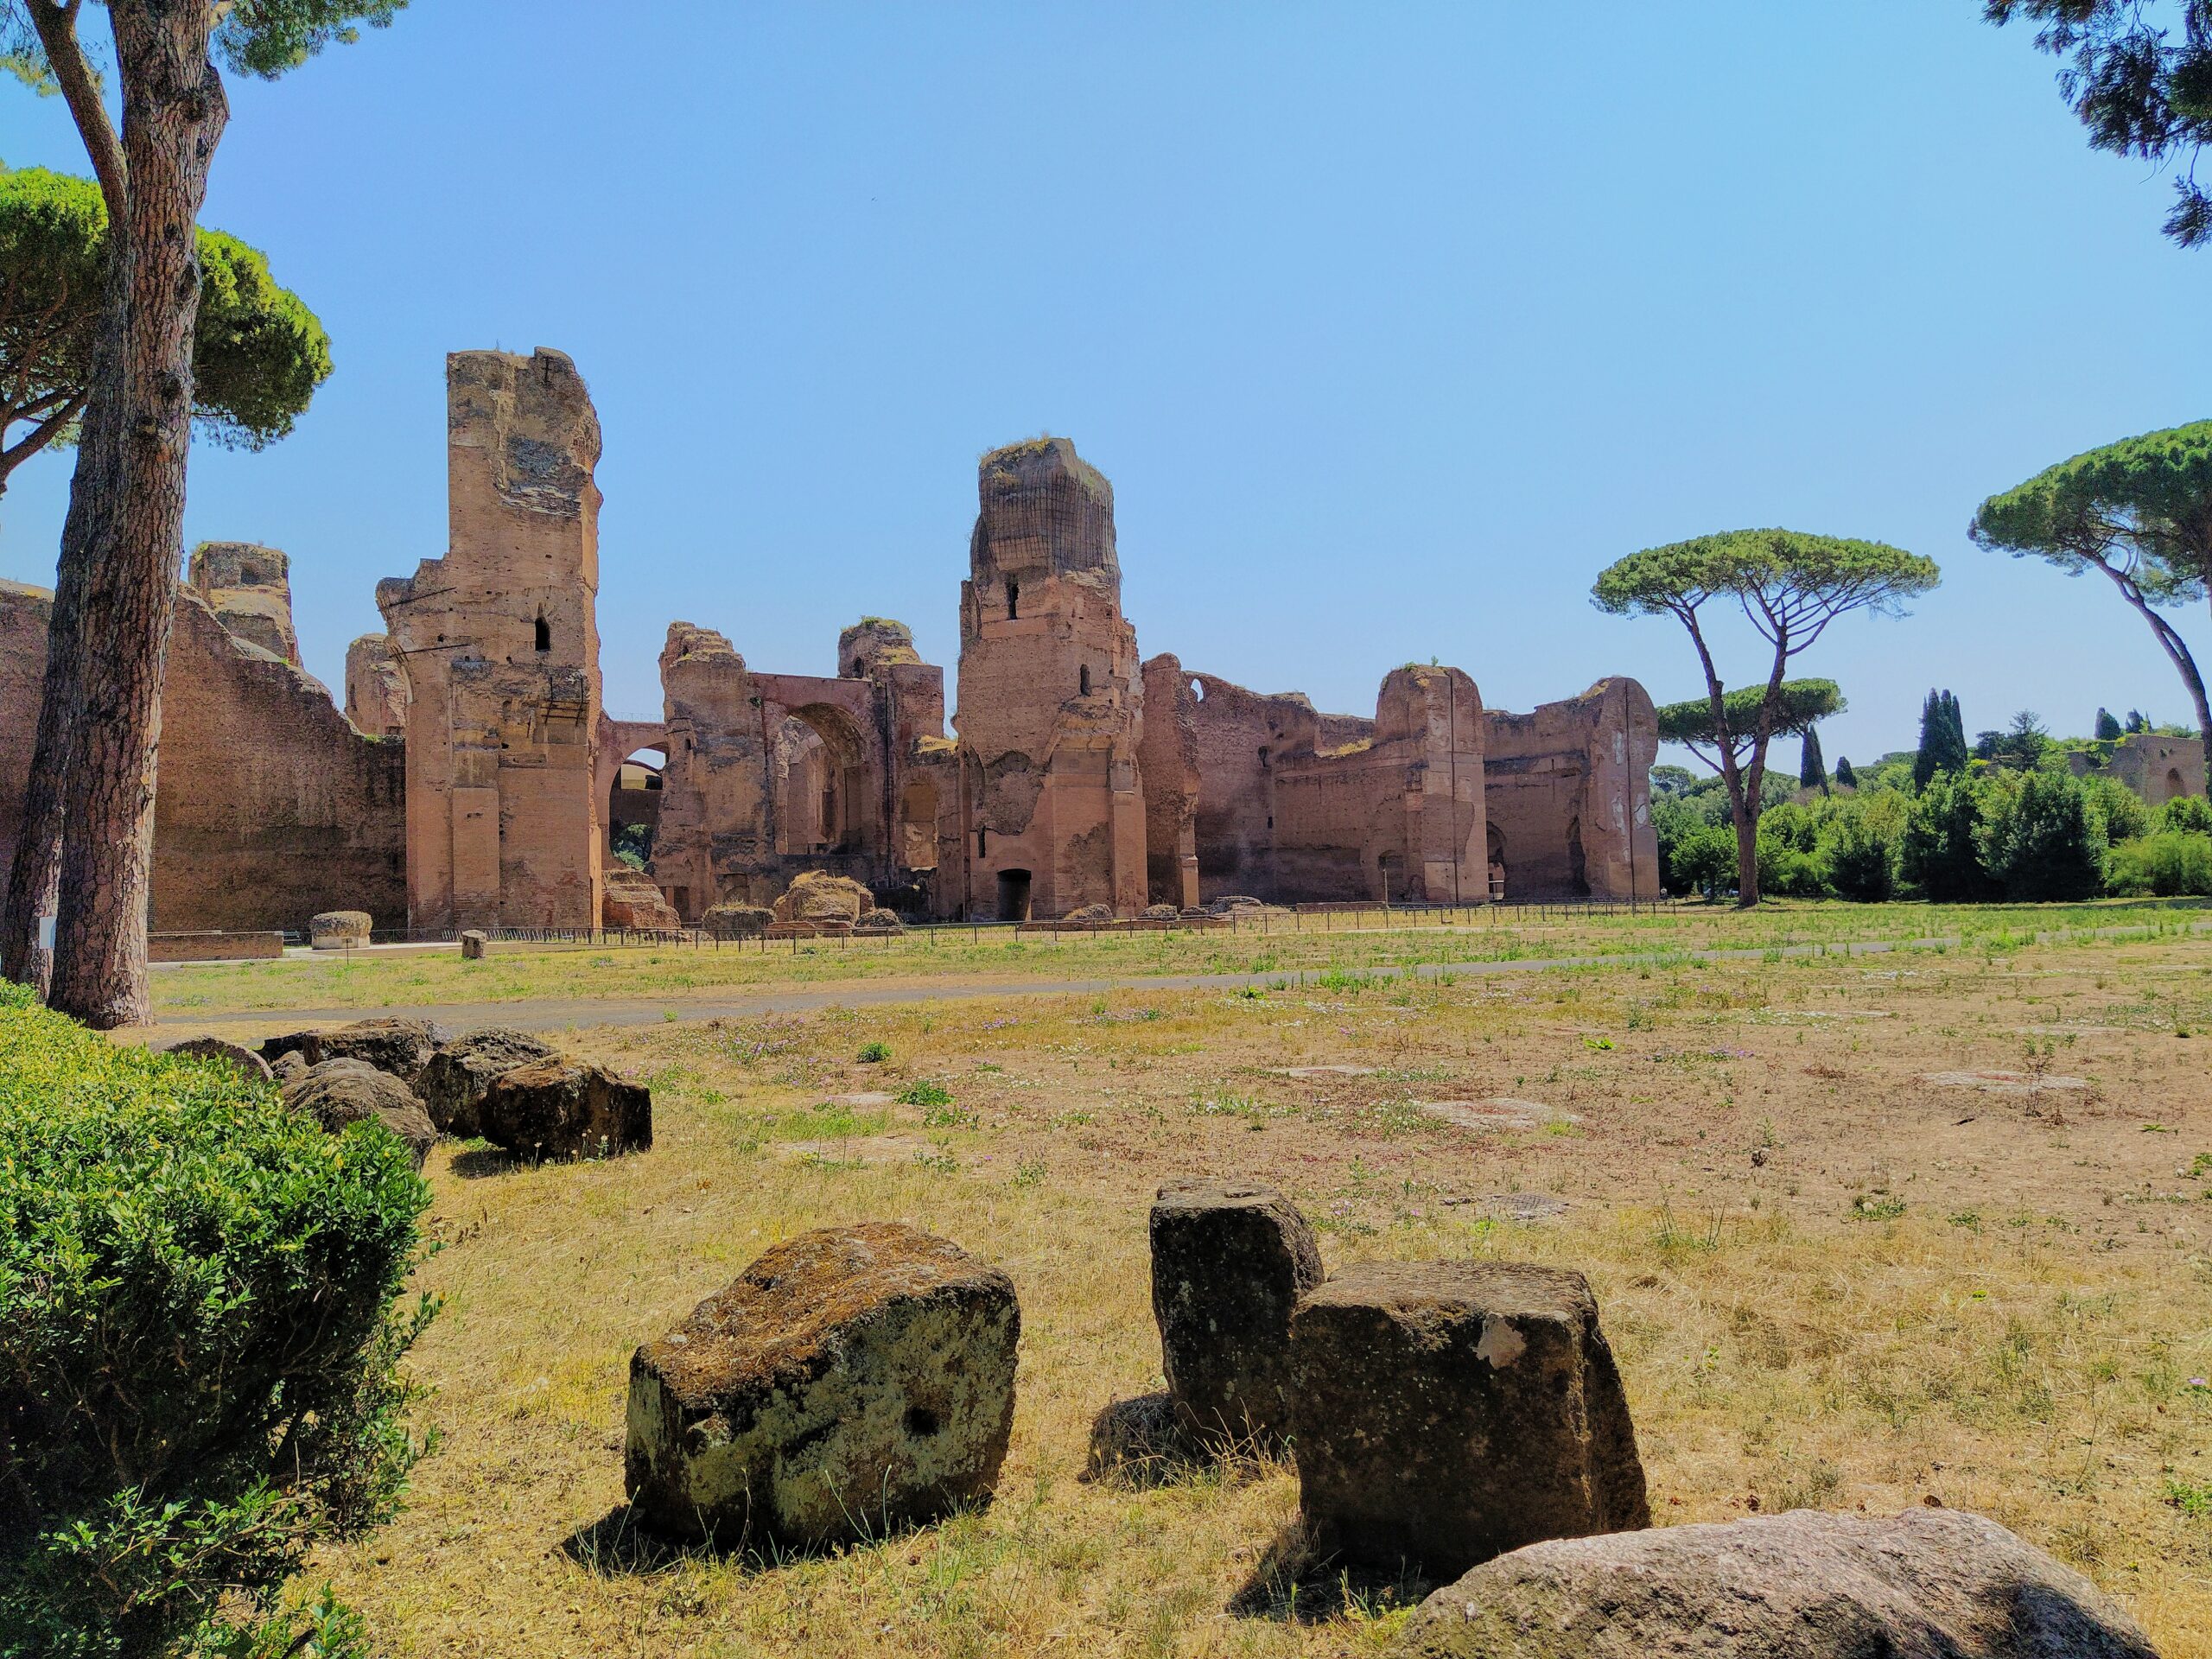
(548, 1014)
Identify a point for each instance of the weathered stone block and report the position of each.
(1228, 1264)
(1447, 1412)
(473, 942)
(455, 1079)
(629, 899)
(559, 1108)
(737, 921)
(818, 898)
(402, 1047)
(244, 1060)
(335, 930)
(852, 1380)
(1929, 1584)
(338, 1093)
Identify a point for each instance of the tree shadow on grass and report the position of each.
(1143, 1443)
(1297, 1583)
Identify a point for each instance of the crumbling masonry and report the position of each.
(474, 779)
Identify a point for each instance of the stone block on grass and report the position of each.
(340, 1093)
(1228, 1262)
(1447, 1412)
(853, 1381)
(1929, 1584)
(561, 1108)
(454, 1082)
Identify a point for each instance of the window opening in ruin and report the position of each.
(1013, 600)
(1083, 679)
(1198, 691)
(544, 632)
(1577, 871)
(1013, 895)
(857, 668)
(2175, 789)
(982, 837)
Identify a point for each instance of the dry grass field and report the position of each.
(1830, 1281)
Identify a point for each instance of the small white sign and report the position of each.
(46, 933)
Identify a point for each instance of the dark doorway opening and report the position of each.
(1577, 869)
(1013, 895)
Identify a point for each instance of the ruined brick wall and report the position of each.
(501, 640)
(376, 686)
(1396, 815)
(770, 774)
(1244, 738)
(270, 805)
(249, 588)
(1569, 796)
(1167, 757)
(2159, 768)
(716, 843)
(1052, 803)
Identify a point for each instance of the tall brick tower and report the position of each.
(1052, 807)
(500, 643)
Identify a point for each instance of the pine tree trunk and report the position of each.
(174, 112)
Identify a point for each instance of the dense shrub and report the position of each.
(2171, 862)
(2042, 837)
(1939, 852)
(2121, 808)
(1788, 848)
(2188, 813)
(199, 1347)
(1860, 848)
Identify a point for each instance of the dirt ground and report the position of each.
(1872, 1232)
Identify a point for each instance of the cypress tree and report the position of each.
(2107, 728)
(1812, 771)
(1934, 722)
(1845, 776)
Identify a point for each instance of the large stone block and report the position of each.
(454, 1081)
(1228, 1264)
(1447, 1412)
(247, 1064)
(337, 930)
(558, 1108)
(852, 1380)
(1929, 1584)
(402, 1047)
(340, 1093)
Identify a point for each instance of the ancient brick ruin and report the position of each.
(475, 780)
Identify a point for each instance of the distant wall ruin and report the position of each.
(500, 639)
(269, 807)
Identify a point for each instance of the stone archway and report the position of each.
(824, 787)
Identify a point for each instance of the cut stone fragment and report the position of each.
(853, 1380)
(560, 1108)
(248, 1064)
(402, 1047)
(1447, 1412)
(336, 929)
(339, 1093)
(453, 1083)
(1228, 1262)
(1929, 1584)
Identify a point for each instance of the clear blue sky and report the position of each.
(1391, 325)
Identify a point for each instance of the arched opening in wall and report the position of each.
(634, 807)
(918, 824)
(544, 632)
(1578, 870)
(1013, 599)
(1495, 844)
(824, 802)
(1013, 895)
(1083, 680)
(1197, 691)
(2175, 788)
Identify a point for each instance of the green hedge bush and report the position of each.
(199, 1340)
(2169, 864)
